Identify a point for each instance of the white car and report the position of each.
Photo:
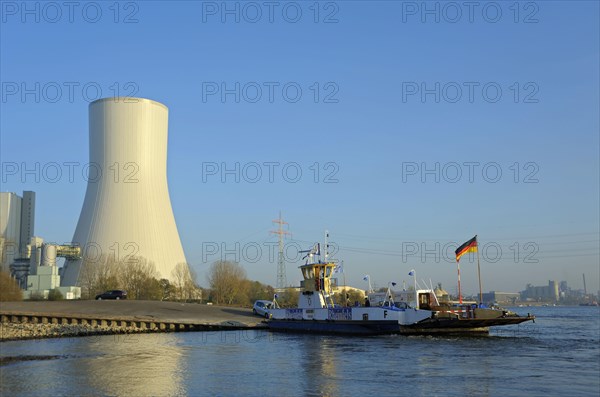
(262, 307)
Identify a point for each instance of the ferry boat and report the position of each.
(452, 318)
(317, 312)
(410, 312)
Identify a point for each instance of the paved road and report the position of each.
(132, 309)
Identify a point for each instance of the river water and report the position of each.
(559, 355)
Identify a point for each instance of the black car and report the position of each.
(114, 294)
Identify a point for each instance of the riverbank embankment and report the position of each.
(43, 319)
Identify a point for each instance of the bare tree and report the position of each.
(288, 298)
(166, 290)
(134, 274)
(98, 275)
(184, 283)
(9, 289)
(107, 275)
(227, 280)
(193, 291)
(137, 276)
(349, 296)
(180, 276)
(88, 278)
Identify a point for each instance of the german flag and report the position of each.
(469, 246)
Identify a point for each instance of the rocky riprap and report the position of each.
(19, 331)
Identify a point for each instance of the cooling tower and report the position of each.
(127, 209)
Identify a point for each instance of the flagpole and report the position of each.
(469, 246)
(479, 274)
(414, 274)
(459, 294)
(368, 278)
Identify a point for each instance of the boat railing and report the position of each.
(465, 312)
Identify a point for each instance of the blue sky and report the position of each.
(366, 126)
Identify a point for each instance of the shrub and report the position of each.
(36, 296)
(55, 295)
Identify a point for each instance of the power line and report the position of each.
(549, 236)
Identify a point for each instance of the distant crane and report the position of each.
(584, 287)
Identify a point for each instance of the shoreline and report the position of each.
(40, 320)
(10, 332)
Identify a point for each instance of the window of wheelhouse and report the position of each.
(424, 301)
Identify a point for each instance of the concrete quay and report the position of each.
(43, 319)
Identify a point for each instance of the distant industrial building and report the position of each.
(501, 297)
(30, 261)
(546, 293)
(38, 272)
(17, 218)
(127, 209)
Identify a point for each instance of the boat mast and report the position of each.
(458, 270)
(479, 274)
(433, 292)
(328, 293)
(326, 245)
(414, 274)
(368, 279)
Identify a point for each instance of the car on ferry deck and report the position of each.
(262, 307)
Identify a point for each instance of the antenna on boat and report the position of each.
(437, 302)
(388, 294)
(326, 245)
(315, 250)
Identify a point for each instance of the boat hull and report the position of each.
(335, 327)
(429, 326)
(458, 326)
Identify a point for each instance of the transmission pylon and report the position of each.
(281, 273)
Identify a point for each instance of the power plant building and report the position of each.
(548, 293)
(17, 218)
(127, 209)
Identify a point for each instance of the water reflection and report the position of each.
(319, 371)
(136, 365)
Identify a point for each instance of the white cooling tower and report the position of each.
(127, 209)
